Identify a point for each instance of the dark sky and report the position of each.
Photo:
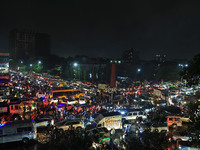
(106, 28)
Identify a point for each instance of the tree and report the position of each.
(192, 72)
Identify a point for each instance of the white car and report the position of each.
(159, 127)
(42, 122)
(66, 124)
(82, 100)
(181, 136)
(186, 118)
(72, 101)
(135, 115)
(56, 101)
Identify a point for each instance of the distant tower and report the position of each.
(113, 72)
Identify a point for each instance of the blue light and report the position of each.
(1, 125)
(122, 112)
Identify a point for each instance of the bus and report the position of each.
(66, 93)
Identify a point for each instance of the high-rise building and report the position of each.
(131, 56)
(27, 45)
(160, 58)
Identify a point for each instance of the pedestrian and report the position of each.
(111, 143)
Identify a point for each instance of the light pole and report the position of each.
(39, 66)
(76, 70)
(137, 72)
(182, 67)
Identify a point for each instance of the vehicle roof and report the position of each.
(173, 117)
(106, 114)
(16, 123)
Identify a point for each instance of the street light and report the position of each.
(75, 64)
(31, 65)
(21, 62)
(138, 70)
(39, 62)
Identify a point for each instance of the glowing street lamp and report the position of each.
(138, 70)
(31, 65)
(75, 64)
(39, 62)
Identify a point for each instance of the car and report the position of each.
(67, 124)
(159, 127)
(101, 135)
(42, 122)
(72, 101)
(174, 121)
(56, 101)
(186, 118)
(135, 115)
(82, 100)
(185, 145)
(182, 136)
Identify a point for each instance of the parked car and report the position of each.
(82, 100)
(135, 115)
(186, 118)
(42, 122)
(186, 145)
(66, 124)
(182, 136)
(159, 127)
(56, 101)
(101, 135)
(72, 101)
(174, 121)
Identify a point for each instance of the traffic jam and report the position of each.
(45, 108)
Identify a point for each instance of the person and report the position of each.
(111, 143)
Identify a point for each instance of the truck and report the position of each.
(110, 120)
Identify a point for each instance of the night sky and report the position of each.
(105, 28)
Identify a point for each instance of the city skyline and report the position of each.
(106, 29)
